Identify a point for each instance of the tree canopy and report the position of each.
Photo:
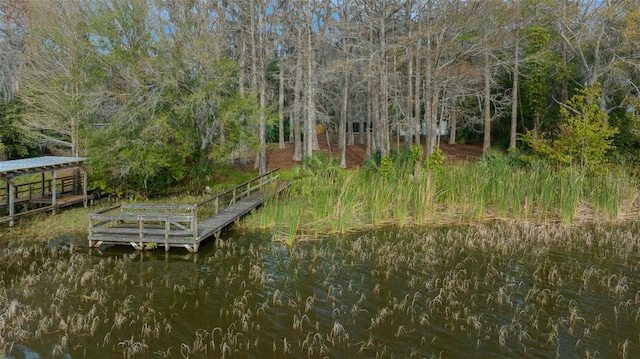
(157, 92)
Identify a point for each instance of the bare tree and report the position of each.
(56, 81)
(12, 33)
(595, 34)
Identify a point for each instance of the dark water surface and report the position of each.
(482, 291)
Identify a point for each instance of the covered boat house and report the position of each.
(62, 182)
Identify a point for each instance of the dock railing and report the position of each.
(213, 205)
(143, 225)
(147, 225)
(27, 191)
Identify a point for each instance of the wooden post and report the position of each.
(140, 228)
(54, 200)
(167, 228)
(7, 200)
(42, 190)
(194, 228)
(217, 205)
(12, 210)
(84, 187)
(90, 231)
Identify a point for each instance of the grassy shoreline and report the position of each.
(330, 201)
(339, 202)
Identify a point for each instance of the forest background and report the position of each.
(159, 93)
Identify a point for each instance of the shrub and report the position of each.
(584, 137)
(435, 161)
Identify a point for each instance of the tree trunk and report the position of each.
(297, 106)
(408, 136)
(262, 126)
(384, 92)
(281, 101)
(362, 119)
(432, 124)
(409, 127)
(487, 105)
(310, 127)
(241, 72)
(416, 103)
(254, 70)
(368, 124)
(262, 151)
(342, 140)
(453, 127)
(428, 105)
(514, 94)
(564, 93)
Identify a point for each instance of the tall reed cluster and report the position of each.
(332, 201)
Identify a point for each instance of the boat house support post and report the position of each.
(7, 199)
(85, 181)
(42, 189)
(11, 198)
(53, 192)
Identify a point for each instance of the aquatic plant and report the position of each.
(496, 289)
(340, 202)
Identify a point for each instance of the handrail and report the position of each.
(207, 200)
(37, 186)
(137, 206)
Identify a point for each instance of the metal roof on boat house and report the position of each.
(12, 168)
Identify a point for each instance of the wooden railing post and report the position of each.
(90, 231)
(167, 228)
(194, 226)
(140, 228)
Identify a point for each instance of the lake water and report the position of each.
(498, 290)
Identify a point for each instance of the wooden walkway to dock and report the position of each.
(145, 226)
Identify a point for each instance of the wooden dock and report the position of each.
(145, 226)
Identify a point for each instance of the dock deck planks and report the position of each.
(229, 215)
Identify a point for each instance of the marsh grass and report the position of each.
(498, 290)
(339, 202)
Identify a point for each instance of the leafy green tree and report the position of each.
(14, 142)
(171, 101)
(585, 135)
(140, 157)
(537, 63)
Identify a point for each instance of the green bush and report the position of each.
(435, 161)
(584, 138)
